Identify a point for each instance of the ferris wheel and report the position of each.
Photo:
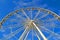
(40, 22)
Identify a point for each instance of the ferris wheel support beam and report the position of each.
(40, 31)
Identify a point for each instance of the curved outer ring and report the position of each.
(41, 9)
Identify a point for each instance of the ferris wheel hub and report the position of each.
(29, 23)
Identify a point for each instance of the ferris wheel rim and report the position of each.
(10, 14)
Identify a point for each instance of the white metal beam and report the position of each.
(37, 14)
(40, 31)
(25, 14)
(38, 36)
(24, 33)
(26, 36)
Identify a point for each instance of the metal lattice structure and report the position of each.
(38, 19)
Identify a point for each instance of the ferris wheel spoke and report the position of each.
(32, 34)
(37, 14)
(26, 36)
(40, 31)
(13, 33)
(25, 14)
(43, 16)
(38, 36)
(19, 16)
(48, 31)
(56, 37)
(31, 13)
(49, 36)
(39, 22)
(50, 12)
(50, 20)
(49, 24)
(24, 33)
(11, 26)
